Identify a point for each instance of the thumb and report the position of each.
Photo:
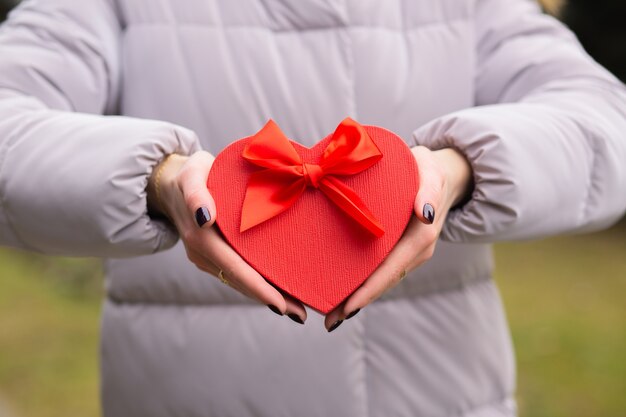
(431, 181)
(193, 178)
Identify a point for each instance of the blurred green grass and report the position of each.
(564, 299)
(49, 310)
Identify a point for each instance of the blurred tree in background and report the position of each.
(600, 26)
(5, 6)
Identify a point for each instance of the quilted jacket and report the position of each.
(94, 93)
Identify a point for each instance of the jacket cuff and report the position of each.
(537, 172)
(75, 184)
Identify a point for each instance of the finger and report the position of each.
(431, 181)
(335, 317)
(338, 315)
(415, 247)
(295, 309)
(234, 284)
(192, 183)
(237, 270)
(201, 262)
(206, 265)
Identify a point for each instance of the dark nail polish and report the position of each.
(335, 325)
(295, 318)
(275, 309)
(429, 212)
(202, 216)
(354, 313)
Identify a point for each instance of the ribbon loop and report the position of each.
(274, 189)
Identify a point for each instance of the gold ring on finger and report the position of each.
(220, 275)
(402, 275)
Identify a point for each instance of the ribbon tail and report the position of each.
(348, 201)
(269, 193)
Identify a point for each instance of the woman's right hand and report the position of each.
(177, 189)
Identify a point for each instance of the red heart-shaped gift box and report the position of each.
(313, 250)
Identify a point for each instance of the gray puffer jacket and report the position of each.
(541, 123)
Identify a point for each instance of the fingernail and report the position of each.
(202, 216)
(275, 309)
(335, 325)
(295, 318)
(354, 313)
(429, 213)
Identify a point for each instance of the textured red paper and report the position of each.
(314, 251)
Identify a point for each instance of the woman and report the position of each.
(489, 92)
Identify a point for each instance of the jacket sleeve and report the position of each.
(547, 140)
(72, 181)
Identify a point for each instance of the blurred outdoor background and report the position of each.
(564, 297)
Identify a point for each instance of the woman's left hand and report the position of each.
(445, 179)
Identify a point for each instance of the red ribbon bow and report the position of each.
(274, 189)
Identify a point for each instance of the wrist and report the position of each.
(458, 172)
(160, 184)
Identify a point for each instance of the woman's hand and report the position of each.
(445, 180)
(177, 189)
